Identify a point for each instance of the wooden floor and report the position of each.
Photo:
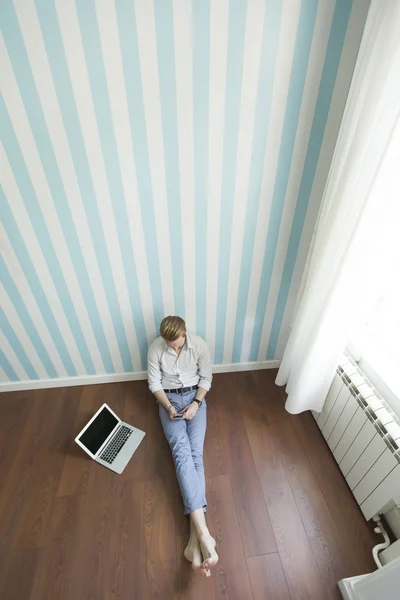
(286, 524)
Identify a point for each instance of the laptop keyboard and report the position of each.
(116, 444)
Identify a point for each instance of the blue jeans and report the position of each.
(186, 440)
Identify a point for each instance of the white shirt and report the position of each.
(168, 371)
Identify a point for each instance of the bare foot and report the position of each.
(192, 553)
(207, 545)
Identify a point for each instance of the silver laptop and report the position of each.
(108, 440)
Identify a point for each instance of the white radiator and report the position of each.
(364, 438)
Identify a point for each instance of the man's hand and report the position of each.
(190, 411)
(172, 412)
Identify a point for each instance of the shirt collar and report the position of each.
(168, 349)
(188, 343)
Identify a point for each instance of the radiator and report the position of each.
(364, 437)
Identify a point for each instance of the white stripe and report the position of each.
(108, 27)
(146, 35)
(12, 359)
(287, 39)
(23, 337)
(70, 33)
(251, 65)
(183, 40)
(315, 65)
(21, 216)
(38, 178)
(31, 304)
(349, 54)
(4, 380)
(219, 13)
(44, 84)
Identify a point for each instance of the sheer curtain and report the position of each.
(359, 220)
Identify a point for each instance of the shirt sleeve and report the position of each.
(204, 366)
(154, 371)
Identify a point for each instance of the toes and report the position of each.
(211, 562)
(202, 571)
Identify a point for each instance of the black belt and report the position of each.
(182, 390)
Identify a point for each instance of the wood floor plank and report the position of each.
(53, 575)
(135, 413)
(356, 536)
(330, 556)
(77, 466)
(126, 567)
(214, 452)
(297, 558)
(161, 561)
(5, 556)
(112, 394)
(32, 524)
(21, 466)
(13, 415)
(160, 532)
(230, 576)
(137, 398)
(270, 393)
(267, 578)
(19, 574)
(191, 585)
(88, 571)
(253, 516)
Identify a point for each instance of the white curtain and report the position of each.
(358, 220)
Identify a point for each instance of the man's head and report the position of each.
(173, 330)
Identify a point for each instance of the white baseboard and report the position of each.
(15, 386)
(250, 366)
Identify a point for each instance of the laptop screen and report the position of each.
(98, 431)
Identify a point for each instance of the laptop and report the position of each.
(108, 440)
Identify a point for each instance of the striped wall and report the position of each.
(162, 157)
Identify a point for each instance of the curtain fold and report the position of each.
(359, 219)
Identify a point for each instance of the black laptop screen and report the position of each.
(98, 431)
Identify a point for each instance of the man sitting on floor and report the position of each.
(180, 375)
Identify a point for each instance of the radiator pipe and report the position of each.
(376, 549)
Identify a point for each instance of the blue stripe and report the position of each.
(331, 64)
(17, 346)
(7, 368)
(234, 69)
(134, 94)
(272, 23)
(36, 217)
(97, 77)
(201, 58)
(304, 36)
(62, 83)
(35, 115)
(166, 71)
(20, 308)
